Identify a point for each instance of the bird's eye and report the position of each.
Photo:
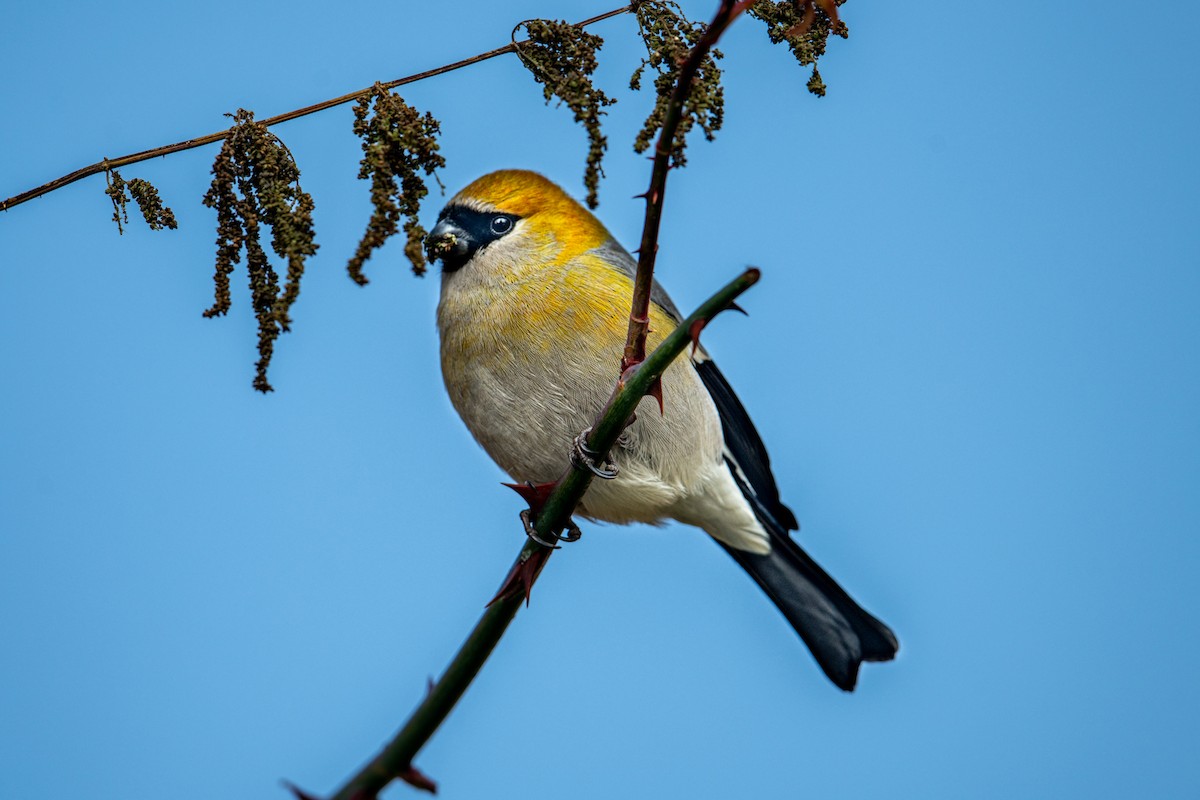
(501, 224)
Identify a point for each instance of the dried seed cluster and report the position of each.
(398, 144)
(806, 26)
(256, 182)
(562, 57)
(669, 37)
(143, 193)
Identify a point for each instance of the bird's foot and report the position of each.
(521, 577)
(571, 534)
(585, 457)
(536, 496)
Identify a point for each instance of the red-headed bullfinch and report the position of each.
(533, 316)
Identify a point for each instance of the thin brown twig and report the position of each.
(111, 163)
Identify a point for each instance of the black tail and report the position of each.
(840, 634)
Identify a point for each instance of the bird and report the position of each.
(532, 319)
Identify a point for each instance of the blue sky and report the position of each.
(972, 355)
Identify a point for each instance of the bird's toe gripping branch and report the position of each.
(536, 496)
(585, 457)
(571, 534)
(519, 581)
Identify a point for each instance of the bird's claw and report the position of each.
(571, 534)
(585, 457)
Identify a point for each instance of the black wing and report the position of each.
(745, 448)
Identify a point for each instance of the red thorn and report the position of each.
(521, 577)
(535, 495)
(505, 589)
(523, 574)
(418, 780)
(656, 392)
(694, 332)
(528, 574)
(296, 790)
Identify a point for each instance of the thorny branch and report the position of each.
(683, 55)
(639, 315)
(395, 760)
(641, 378)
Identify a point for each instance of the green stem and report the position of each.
(398, 755)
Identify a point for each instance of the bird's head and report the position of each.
(512, 222)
